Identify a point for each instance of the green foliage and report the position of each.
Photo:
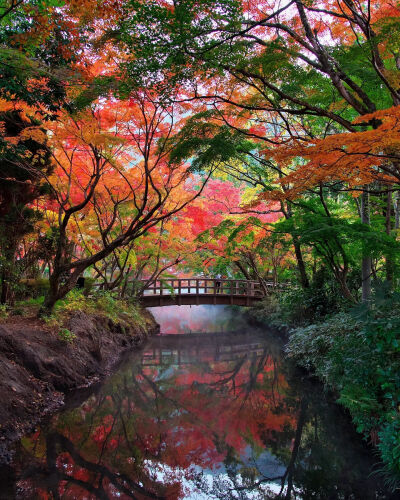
(178, 33)
(358, 355)
(66, 335)
(336, 238)
(101, 303)
(4, 311)
(295, 306)
(35, 288)
(207, 143)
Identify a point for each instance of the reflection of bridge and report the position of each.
(182, 349)
(195, 291)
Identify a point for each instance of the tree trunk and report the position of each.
(389, 261)
(300, 263)
(52, 296)
(9, 273)
(297, 250)
(58, 290)
(5, 286)
(397, 210)
(345, 289)
(366, 259)
(242, 269)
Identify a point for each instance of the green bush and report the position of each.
(33, 288)
(66, 335)
(4, 312)
(38, 287)
(88, 286)
(358, 355)
(102, 302)
(296, 306)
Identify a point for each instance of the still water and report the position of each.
(209, 409)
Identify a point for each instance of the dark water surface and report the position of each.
(207, 410)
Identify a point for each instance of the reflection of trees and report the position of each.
(57, 443)
(142, 434)
(332, 462)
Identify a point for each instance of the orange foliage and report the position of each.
(356, 158)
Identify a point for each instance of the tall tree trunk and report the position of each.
(242, 269)
(52, 295)
(287, 212)
(341, 277)
(397, 210)
(5, 286)
(366, 259)
(8, 274)
(300, 263)
(389, 261)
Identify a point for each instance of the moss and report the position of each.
(126, 313)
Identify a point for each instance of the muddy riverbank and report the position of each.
(37, 367)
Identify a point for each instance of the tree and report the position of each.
(113, 163)
(287, 67)
(24, 160)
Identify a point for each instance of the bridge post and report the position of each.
(231, 291)
(214, 289)
(179, 292)
(197, 292)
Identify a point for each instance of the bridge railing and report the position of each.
(204, 286)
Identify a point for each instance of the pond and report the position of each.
(208, 409)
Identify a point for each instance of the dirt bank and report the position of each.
(37, 367)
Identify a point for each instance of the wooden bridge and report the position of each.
(196, 291)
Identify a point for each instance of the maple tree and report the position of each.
(255, 139)
(281, 100)
(285, 73)
(113, 182)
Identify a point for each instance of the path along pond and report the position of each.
(209, 409)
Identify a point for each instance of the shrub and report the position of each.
(102, 302)
(34, 288)
(295, 306)
(4, 312)
(66, 335)
(358, 355)
(88, 286)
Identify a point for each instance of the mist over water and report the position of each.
(198, 319)
(209, 409)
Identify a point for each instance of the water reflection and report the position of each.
(217, 415)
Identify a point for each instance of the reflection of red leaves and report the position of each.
(197, 419)
(112, 444)
(81, 474)
(173, 491)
